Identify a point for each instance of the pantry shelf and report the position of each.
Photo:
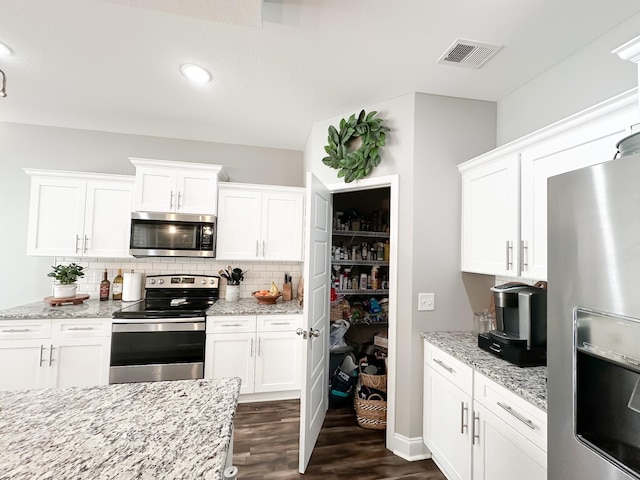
(368, 291)
(370, 263)
(360, 233)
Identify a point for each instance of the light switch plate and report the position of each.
(426, 301)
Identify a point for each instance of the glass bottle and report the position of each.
(104, 287)
(116, 290)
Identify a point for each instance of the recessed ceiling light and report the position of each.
(4, 50)
(195, 73)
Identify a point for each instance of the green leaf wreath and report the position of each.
(354, 150)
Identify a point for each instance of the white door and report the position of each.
(155, 190)
(499, 451)
(22, 364)
(239, 213)
(282, 226)
(232, 355)
(277, 362)
(197, 192)
(78, 362)
(314, 395)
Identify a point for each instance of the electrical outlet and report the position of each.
(426, 301)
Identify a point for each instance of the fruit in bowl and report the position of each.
(267, 297)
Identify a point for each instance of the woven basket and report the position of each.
(379, 382)
(371, 414)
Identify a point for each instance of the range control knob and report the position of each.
(152, 281)
(160, 281)
(203, 282)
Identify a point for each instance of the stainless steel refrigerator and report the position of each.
(593, 321)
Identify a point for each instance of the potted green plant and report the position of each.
(65, 277)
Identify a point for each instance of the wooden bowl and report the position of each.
(266, 299)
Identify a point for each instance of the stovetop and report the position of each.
(173, 296)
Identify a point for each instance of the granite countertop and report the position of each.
(528, 382)
(177, 429)
(92, 308)
(250, 306)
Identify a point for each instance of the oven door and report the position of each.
(157, 350)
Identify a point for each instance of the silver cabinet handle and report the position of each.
(524, 254)
(475, 431)
(263, 247)
(259, 346)
(509, 255)
(524, 420)
(257, 247)
(231, 325)
(281, 323)
(50, 355)
(41, 356)
(77, 243)
(16, 330)
(86, 239)
(179, 197)
(444, 365)
(463, 413)
(171, 200)
(252, 347)
(80, 328)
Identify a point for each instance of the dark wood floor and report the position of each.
(266, 447)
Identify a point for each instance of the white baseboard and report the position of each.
(269, 396)
(411, 449)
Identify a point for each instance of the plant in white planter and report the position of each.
(65, 277)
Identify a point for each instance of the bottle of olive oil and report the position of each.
(105, 285)
(116, 288)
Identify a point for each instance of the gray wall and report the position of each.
(589, 76)
(424, 146)
(27, 146)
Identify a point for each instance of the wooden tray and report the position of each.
(69, 300)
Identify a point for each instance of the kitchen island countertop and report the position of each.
(528, 382)
(177, 429)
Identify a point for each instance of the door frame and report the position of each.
(391, 181)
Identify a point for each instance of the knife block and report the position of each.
(286, 292)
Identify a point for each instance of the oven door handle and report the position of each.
(158, 327)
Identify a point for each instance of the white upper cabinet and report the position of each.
(490, 205)
(79, 214)
(504, 192)
(176, 187)
(258, 222)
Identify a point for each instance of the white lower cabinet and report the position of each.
(54, 353)
(477, 429)
(263, 350)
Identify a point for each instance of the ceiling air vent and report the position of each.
(467, 53)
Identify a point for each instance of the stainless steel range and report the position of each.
(162, 337)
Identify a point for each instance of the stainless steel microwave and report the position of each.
(172, 235)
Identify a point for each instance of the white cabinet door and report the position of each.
(56, 216)
(77, 362)
(590, 144)
(107, 219)
(197, 192)
(155, 189)
(278, 362)
(282, 220)
(231, 355)
(22, 364)
(446, 425)
(501, 453)
(239, 224)
(490, 212)
(261, 223)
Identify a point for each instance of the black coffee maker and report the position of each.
(520, 336)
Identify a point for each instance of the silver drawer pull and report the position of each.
(41, 356)
(231, 325)
(280, 323)
(444, 365)
(524, 420)
(80, 328)
(463, 410)
(475, 431)
(16, 330)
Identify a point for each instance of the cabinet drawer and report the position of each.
(527, 419)
(458, 373)
(22, 329)
(278, 323)
(231, 324)
(75, 327)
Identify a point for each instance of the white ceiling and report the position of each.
(113, 65)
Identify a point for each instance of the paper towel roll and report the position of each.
(131, 287)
